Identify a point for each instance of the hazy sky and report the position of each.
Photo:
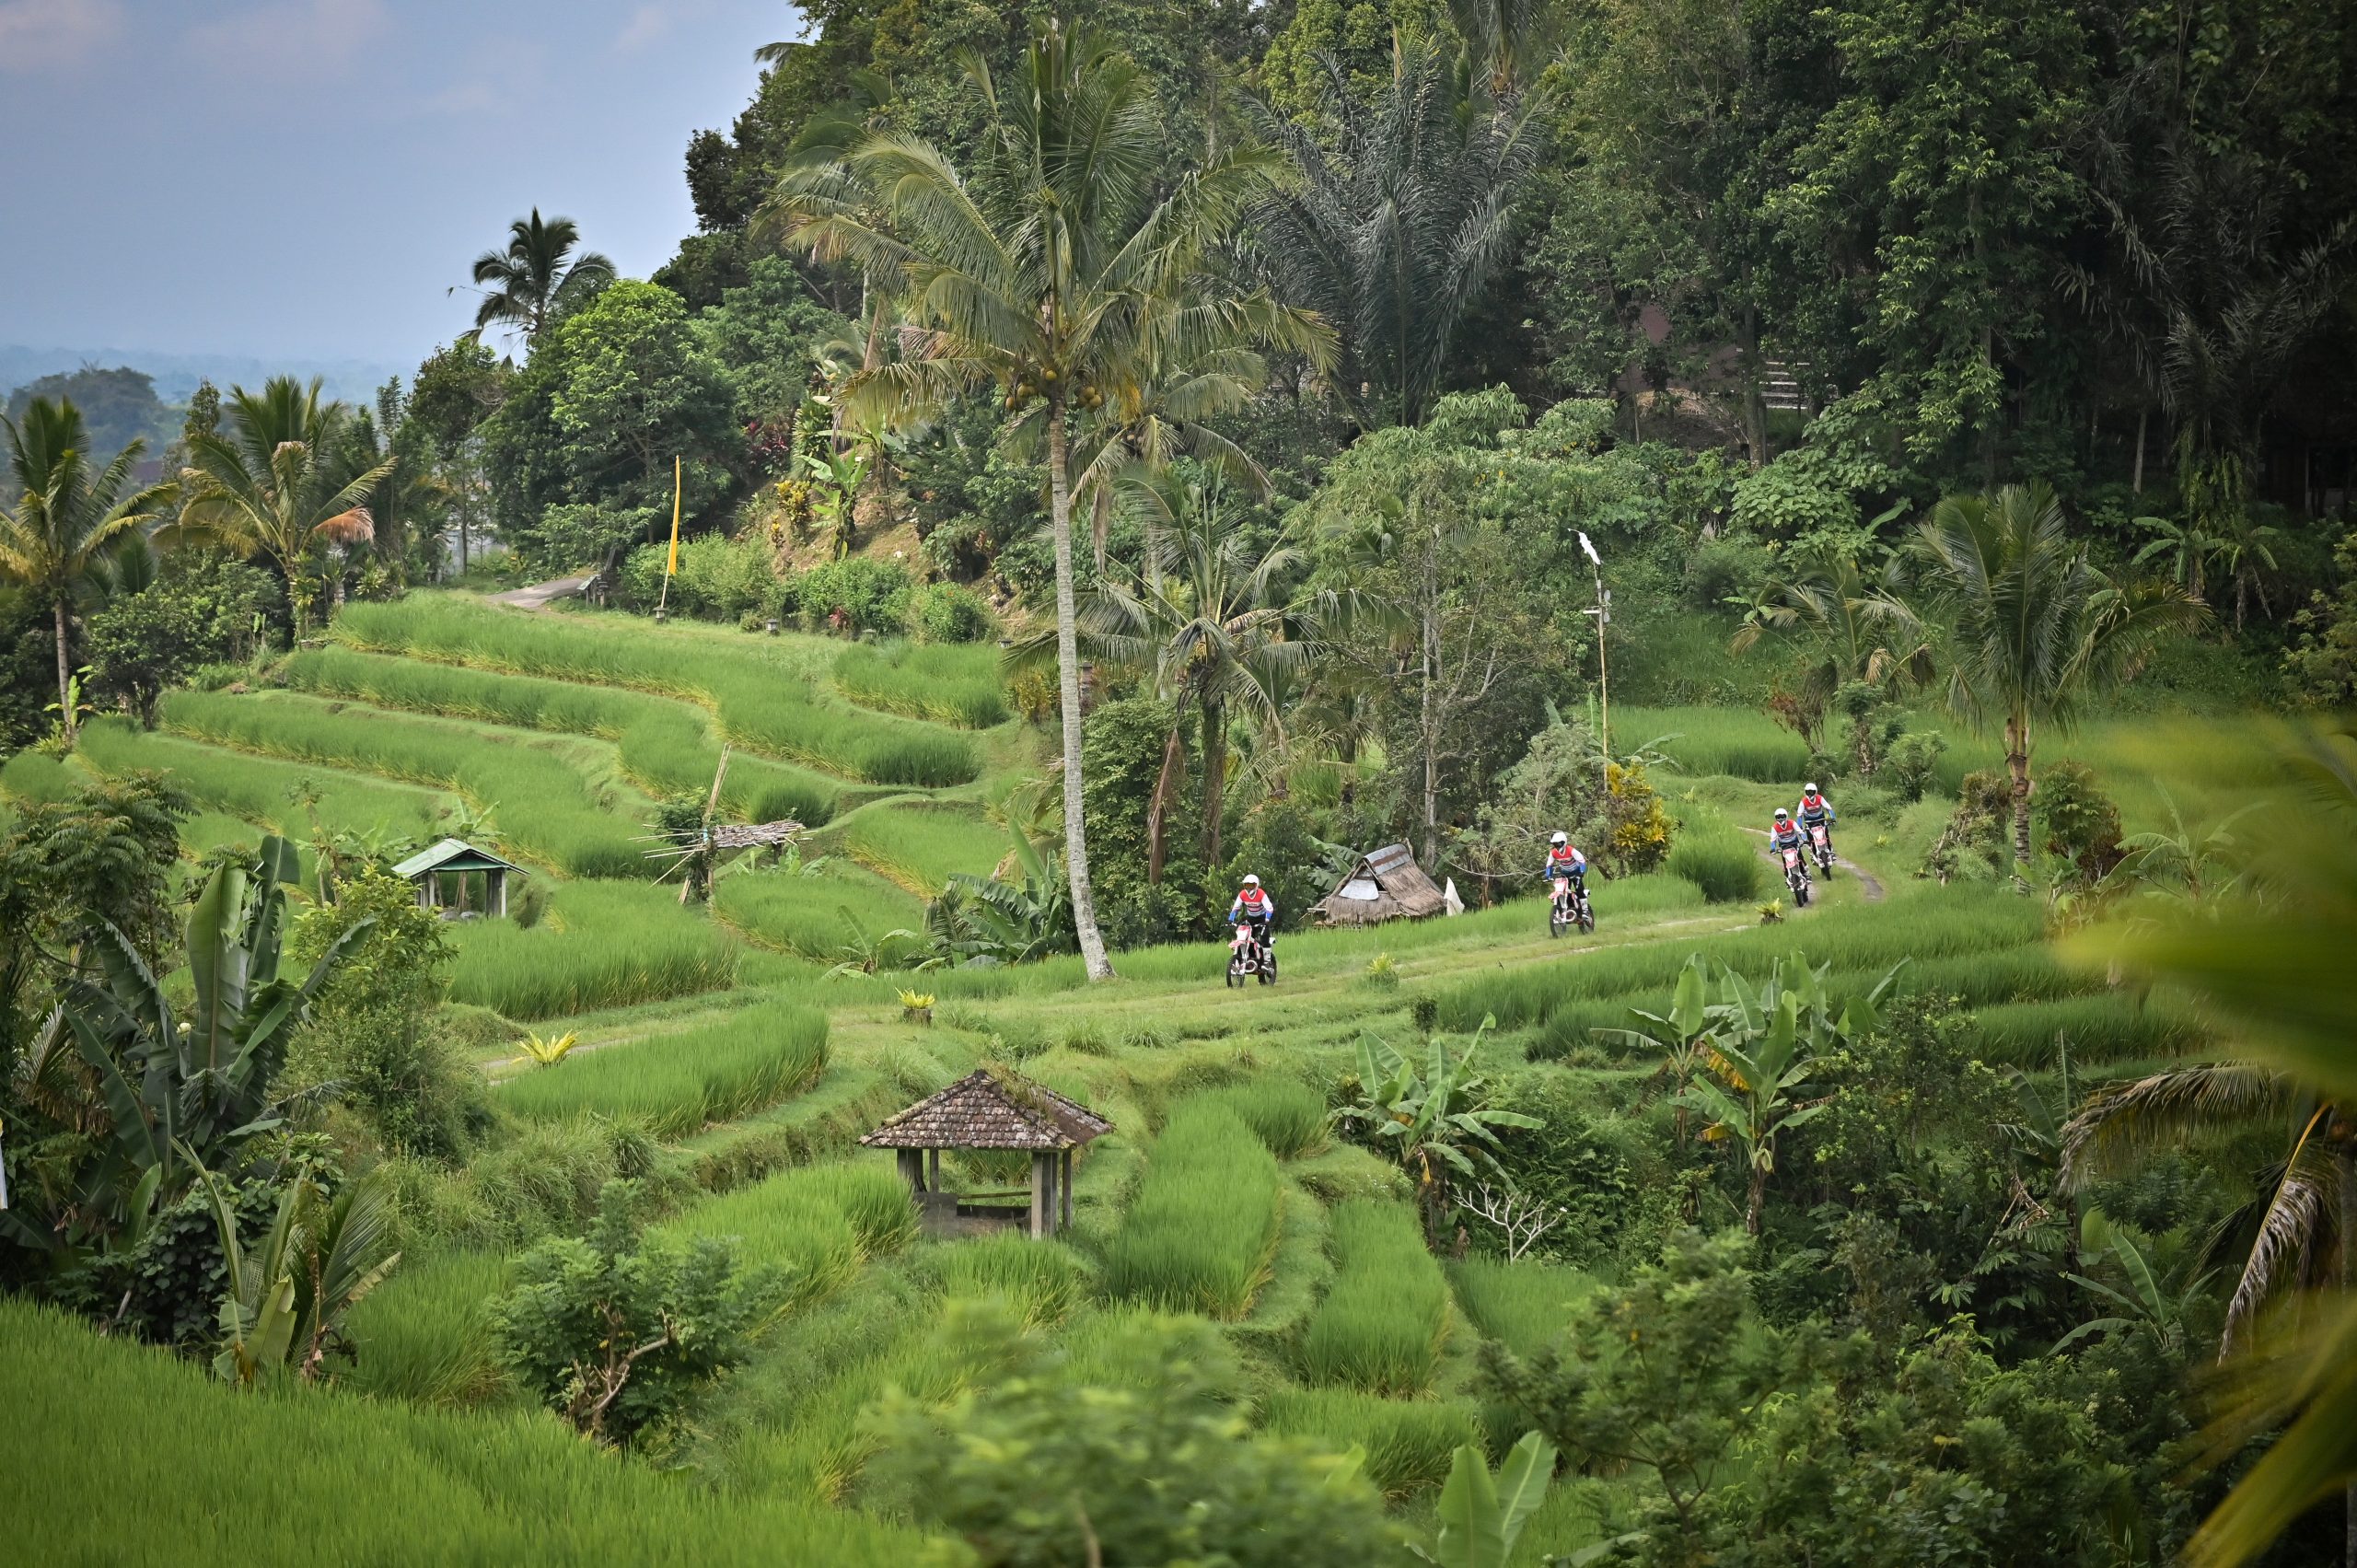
(308, 177)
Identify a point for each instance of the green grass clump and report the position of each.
(1862, 937)
(601, 944)
(947, 682)
(349, 1480)
(763, 698)
(37, 780)
(1284, 1114)
(919, 846)
(424, 1334)
(262, 790)
(1199, 1235)
(804, 914)
(675, 1084)
(2099, 1027)
(1717, 856)
(1042, 1283)
(1523, 1304)
(817, 1223)
(1744, 742)
(1410, 1444)
(543, 803)
(1380, 1326)
(666, 745)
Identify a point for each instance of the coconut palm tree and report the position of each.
(2035, 627)
(1066, 275)
(274, 485)
(71, 517)
(537, 277)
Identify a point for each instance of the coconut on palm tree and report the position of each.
(538, 277)
(1067, 274)
(2035, 627)
(71, 517)
(272, 485)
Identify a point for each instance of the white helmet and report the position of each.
(1808, 789)
(1251, 881)
(1561, 839)
(1782, 814)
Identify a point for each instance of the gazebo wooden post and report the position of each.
(933, 1170)
(497, 894)
(1043, 1182)
(1064, 1185)
(913, 1169)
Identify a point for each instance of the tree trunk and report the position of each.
(65, 675)
(1158, 810)
(1428, 733)
(1083, 901)
(1214, 777)
(2136, 479)
(2017, 764)
(1755, 1199)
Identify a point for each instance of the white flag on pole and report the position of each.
(1590, 548)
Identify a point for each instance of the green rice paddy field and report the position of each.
(717, 1061)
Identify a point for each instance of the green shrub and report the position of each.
(1199, 1235)
(675, 1084)
(1380, 1325)
(719, 578)
(944, 613)
(858, 593)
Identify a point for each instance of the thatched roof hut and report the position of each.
(1385, 884)
(993, 1111)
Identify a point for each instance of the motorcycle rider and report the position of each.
(1565, 864)
(1815, 810)
(1254, 907)
(1786, 834)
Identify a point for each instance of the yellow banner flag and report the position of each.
(672, 569)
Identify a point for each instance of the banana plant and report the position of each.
(2147, 1306)
(1680, 1038)
(289, 1294)
(1481, 1516)
(1432, 1120)
(1761, 1050)
(198, 1083)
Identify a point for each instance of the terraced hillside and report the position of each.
(719, 1065)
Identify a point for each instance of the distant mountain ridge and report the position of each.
(176, 375)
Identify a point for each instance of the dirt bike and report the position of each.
(1249, 954)
(1822, 846)
(1569, 907)
(1796, 874)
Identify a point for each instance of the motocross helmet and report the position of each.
(1783, 815)
(1561, 839)
(1251, 881)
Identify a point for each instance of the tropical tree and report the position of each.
(1400, 214)
(538, 277)
(1434, 1122)
(71, 518)
(2035, 627)
(2276, 981)
(1481, 1516)
(1216, 617)
(1854, 627)
(274, 487)
(1065, 274)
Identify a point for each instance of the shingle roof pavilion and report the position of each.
(987, 1111)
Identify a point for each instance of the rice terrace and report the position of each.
(1241, 788)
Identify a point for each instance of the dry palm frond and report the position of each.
(2288, 1228)
(2164, 1108)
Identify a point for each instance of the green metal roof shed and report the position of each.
(457, 857)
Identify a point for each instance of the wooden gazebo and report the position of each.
(1385, 884)
(458, 859)
(993, 1111)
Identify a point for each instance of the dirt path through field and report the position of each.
(539, 595)
(1869, 885)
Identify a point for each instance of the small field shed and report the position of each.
(1385, 884)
